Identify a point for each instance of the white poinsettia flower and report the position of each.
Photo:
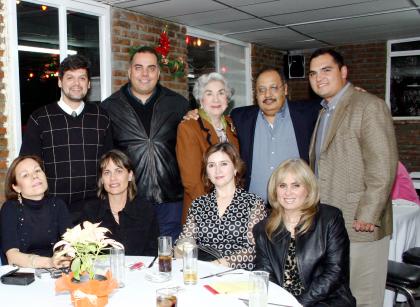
(84, 243)
(113, 243)
(72, 235)
(92, 232)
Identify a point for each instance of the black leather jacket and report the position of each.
(153, 157)
(322, 258)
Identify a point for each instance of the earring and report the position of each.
(20, 198)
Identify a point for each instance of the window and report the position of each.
(41, 35)
(403, 77)
(209, 52)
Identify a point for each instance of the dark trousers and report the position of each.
(169, 218)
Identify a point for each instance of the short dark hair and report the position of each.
(233, 155)
(9, 192)
(337, 57)
(121, 160)
(272, 68)
(145, 49)
(73, 62)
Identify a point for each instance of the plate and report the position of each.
(154, 275)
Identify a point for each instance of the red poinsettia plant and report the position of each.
(176, 66)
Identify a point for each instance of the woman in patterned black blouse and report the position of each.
(303, 244)
(224, 218)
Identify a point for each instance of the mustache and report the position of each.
(270, 99)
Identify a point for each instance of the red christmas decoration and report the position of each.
(176, 67)
(163, 47)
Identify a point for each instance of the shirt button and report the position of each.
(271, 167)
(272, 152)
(273, 138)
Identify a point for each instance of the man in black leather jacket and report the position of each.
(144, 117)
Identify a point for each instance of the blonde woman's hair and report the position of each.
(305, 177)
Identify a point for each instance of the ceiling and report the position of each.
(289, 24)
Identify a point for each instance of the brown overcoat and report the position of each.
(194, 137)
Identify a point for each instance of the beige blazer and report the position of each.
(358, 162)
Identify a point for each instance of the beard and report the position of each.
(74, 96)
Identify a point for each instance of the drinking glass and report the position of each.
(165, 254)
(166, 297)
(189, 257)
(117, 261)
(258, 281)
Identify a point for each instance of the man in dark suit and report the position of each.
(273, 131)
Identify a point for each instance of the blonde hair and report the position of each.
(305, 177)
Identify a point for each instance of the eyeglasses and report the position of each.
(274, 89)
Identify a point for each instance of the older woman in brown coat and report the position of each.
(196, 136)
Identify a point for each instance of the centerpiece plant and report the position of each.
(85, 245)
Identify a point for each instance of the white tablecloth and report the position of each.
(406, 234)
(140, 292)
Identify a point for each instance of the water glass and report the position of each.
(165, 254)
(102, 264)
(189, 257)
(258, 281)
(166, 297)
(117, 261)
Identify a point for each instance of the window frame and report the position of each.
(100, 10)
(217, 38)
(390, 55)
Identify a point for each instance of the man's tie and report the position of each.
(74, 114)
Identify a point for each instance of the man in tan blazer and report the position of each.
(353, 152)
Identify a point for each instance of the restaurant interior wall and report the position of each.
(367, 69)
(131, 29)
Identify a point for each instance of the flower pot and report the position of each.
(87, 293)
(85, 278)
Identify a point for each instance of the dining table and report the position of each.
(139, 291)
(405, 235)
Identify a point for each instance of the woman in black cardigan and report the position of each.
(303, 244)
(130, 220)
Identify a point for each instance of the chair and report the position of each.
(405, 279)
(412, 256)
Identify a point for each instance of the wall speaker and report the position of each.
(296, 66)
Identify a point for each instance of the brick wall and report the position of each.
(408, 140)
(132, 29)
(367, 69)
(4, 153)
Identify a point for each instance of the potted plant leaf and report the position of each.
(85, 243)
